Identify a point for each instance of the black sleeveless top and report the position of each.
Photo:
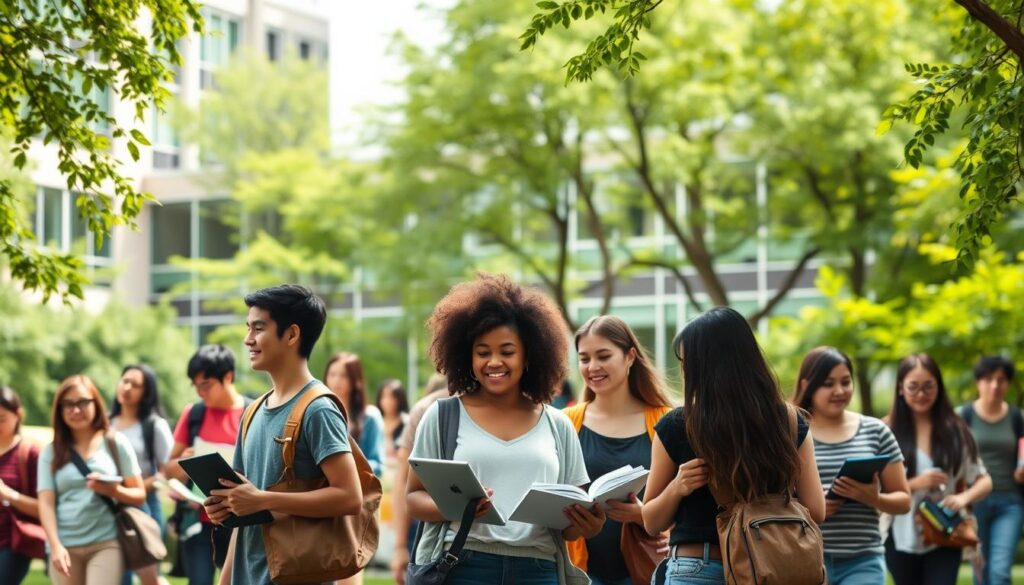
(695, 516)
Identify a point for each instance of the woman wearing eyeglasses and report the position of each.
(80, 528)
(853, 542)
(943, 465)
(998, 428)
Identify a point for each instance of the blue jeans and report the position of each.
(152, 507)
(1000, 516)
(13, 566)
(692, 570)
(866, 569)
(197, 557)
(475, 568)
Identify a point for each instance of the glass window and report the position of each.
(218, 229)
(53, 224)
(164, 133)
(305, 50)
(273, 45)
(172, 231)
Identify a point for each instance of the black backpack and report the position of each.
(1016, 421)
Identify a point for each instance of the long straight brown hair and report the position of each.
(736, 418)
(63, 439)
(357, 396)
(645, 383)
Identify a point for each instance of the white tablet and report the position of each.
(451, 484)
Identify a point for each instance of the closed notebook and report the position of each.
(939, 516)
(544, 503)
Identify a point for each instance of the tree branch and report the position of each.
(986, 15)
(783, 289)
(680, 277)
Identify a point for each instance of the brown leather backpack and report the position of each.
(315, 550)
(771, 540)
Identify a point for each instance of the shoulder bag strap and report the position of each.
(83, 468)
(23, 449)
(149, 440)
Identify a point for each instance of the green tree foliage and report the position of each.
(979, 77)
(55, 57)
(956, 322)
(719, 88)
(42, 345)
(983, 85)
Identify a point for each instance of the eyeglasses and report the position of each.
(73, 405)
(926, 389)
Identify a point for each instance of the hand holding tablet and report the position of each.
(860, 469)
(206, 471)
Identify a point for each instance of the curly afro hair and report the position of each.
(472, 309)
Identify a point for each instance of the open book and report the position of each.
(545, 502)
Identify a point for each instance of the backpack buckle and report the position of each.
(450, 560)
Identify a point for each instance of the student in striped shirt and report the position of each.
(853, 542)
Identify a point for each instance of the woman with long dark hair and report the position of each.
(854, 553)
(343, 374)
(393, 405)
(733, 433)
(82, 531)
(17, 487)
(623, 399)
(503, 348)
(136, 413)
(943, 466)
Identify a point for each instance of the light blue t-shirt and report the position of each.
(371, 441)
(324, 433)
(82, 518)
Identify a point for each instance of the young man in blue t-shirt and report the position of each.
(283, 324)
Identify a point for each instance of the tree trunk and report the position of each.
(863, 376)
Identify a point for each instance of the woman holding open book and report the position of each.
(503, 347)
(853, 541)
(623, 399)
(727, 386)
(944, 468)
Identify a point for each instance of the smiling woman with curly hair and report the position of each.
(504, 347)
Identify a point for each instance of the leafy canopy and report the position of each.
(60, 63)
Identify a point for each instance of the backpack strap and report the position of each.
(967, 413)
(576, 414)
(195, 420)
(289, 438)
(1017, 421)
(448, 415)
(251, 408)
(653, 414)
